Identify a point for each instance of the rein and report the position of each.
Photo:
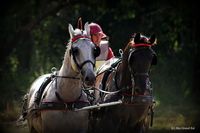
(135, 48)
(67, 77)
(140, 46)
(132, 74)
(108, 92)
(61, 104)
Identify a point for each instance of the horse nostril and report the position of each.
(90, 79)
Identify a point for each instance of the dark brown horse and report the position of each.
(127, 80)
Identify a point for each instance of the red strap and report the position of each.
(141, 45)
(78, 37)
(110, 53)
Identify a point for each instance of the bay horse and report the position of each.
(127, 80)
(55, 113)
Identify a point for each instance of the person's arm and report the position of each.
(110, 53)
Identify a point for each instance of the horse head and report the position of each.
(140, 56)
(82, 52)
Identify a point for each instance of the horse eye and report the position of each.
(97, 51)
(75, 51)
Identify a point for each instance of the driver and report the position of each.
(100, 39)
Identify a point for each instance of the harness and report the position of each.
(108, 72)
(61, 104)
(113, 67)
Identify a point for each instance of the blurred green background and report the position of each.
(33, 35)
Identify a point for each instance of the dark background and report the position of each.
(33, 35)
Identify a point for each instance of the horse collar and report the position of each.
(63, 105)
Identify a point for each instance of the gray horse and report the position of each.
(55, 113)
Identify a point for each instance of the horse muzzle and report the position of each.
(88, 78)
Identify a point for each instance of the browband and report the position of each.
(78, 37)
(141, 45)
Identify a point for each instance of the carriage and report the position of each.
(120, 101)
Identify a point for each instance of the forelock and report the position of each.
(77, 32)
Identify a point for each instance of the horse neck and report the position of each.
(124, 75)
(69, 89)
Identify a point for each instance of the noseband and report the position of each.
(136, 74)
(133, 50)
(73, 40)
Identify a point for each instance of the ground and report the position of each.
(170, 118)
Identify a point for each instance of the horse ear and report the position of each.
(137, 38)
(152, 39)
(87, 28)
(71, 31)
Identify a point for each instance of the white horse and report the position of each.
(55, 113)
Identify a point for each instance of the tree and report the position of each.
(34, 33)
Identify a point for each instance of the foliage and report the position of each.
(34, 33)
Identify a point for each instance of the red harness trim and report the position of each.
(141, 45)
(78, 37)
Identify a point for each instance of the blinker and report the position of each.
(97, 51)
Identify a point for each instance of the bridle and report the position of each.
(72, 52)
(79, 66)
(132, 74)
(131, 51)
(135, 48)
